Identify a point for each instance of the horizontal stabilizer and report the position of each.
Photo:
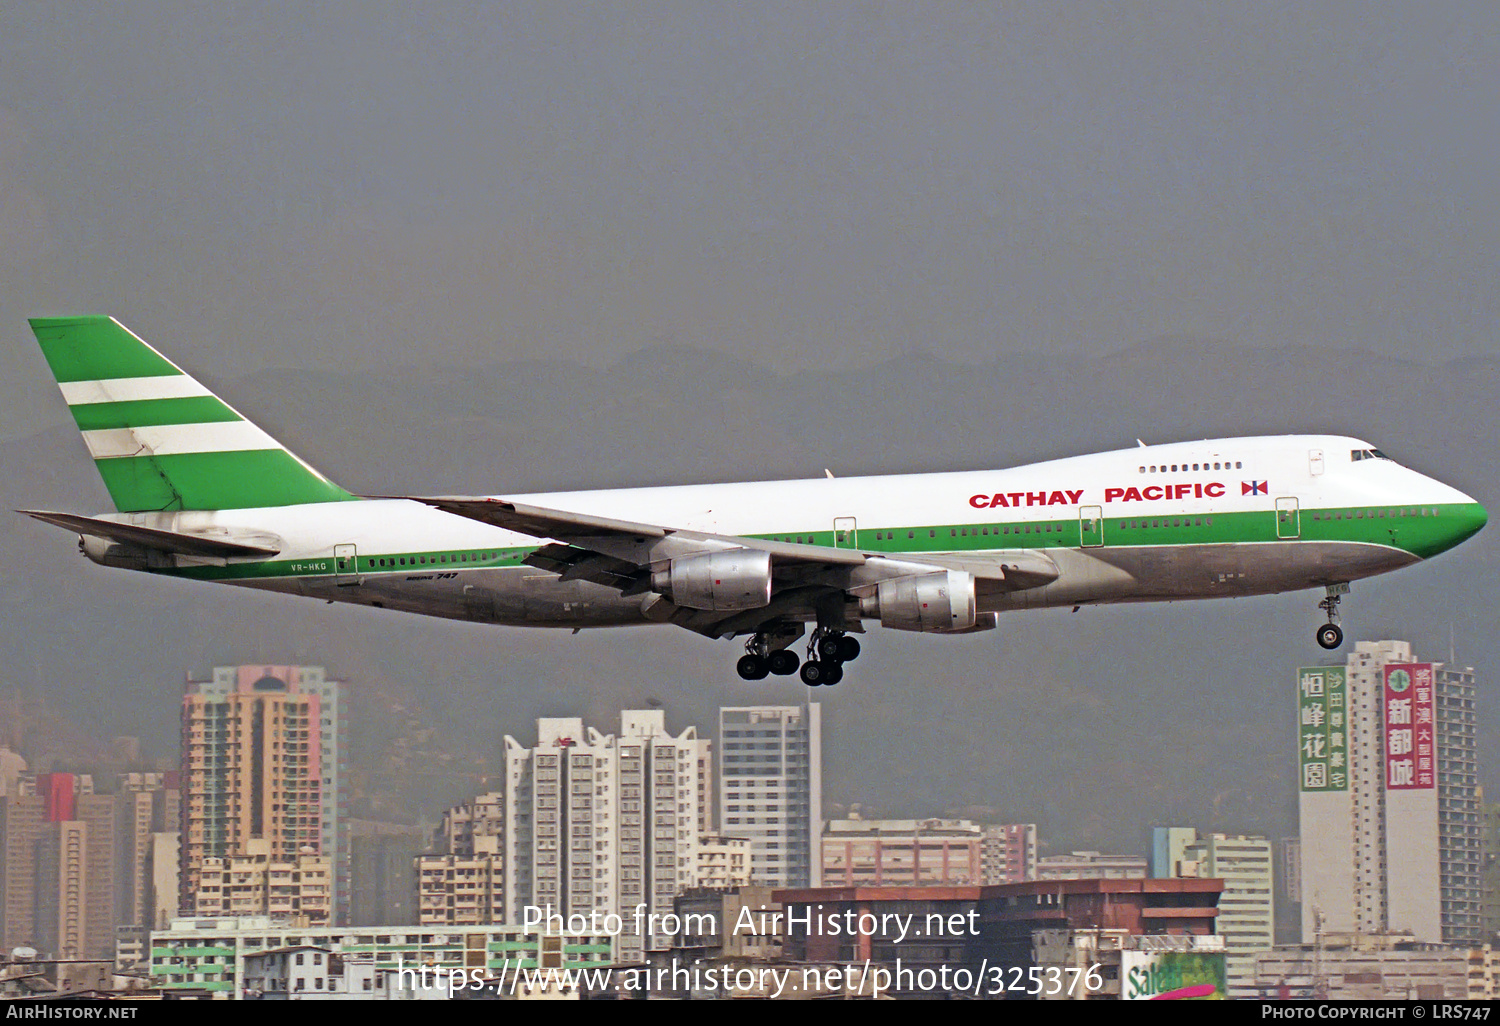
(208, 546)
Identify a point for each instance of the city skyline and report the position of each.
(857, 805)
(636, 795)
(727, 245)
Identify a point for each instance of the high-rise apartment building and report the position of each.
(147, 804)
(1391, 824)
(1247, 914)
(463, 882)
(1010, 853)
(771, 789)
(57, 881)
(603, 822)
(261, 761)
(474, 828)
(256, 881)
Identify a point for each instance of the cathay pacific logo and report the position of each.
(1255, 488)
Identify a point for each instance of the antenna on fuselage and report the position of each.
(1140, 443)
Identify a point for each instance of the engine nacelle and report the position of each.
(111, 553)
(942, 601)
(720, 581)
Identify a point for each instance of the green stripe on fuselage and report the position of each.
(1420, 535)
(1423, 534)
(323, 566)
(96, 349)
(1424, 531)
(198, 409)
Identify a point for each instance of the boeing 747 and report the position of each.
(202, 493)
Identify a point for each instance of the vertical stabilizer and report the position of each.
(161, 440)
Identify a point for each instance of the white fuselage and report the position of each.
(1184, 520)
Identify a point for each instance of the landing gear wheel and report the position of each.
(848, 649)
(813, 673)
(1330, 636)
(832, 674)
(828, 646)
(752, 667)
(783, 662)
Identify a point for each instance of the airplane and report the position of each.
(202, 493)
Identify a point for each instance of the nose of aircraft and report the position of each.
(1463, 521)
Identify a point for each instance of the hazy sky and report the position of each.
(313, 185)
(295, 184)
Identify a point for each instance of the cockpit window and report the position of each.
(1367, 454)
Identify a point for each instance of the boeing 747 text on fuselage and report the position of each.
(202, 493)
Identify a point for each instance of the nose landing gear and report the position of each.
(1330, 635)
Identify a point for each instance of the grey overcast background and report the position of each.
(495, 248)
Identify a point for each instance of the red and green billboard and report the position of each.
(1410, 724)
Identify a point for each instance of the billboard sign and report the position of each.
(1323, 728)
(1410, 727)
(1172, 975)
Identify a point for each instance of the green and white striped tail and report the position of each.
(161, 440)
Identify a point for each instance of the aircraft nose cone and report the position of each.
(1466, 521)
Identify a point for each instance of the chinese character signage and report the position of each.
(1323, 728)
(1410, 727)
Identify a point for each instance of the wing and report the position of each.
(800, 580)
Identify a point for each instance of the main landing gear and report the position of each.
(1330, 635)
(827, 652)
(767, 653)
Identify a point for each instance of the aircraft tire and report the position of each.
(752, 667)
(783, 662)
(848, 649)
(812, 673)
(1330, 636)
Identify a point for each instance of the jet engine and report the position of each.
(941, 601)
(720, 581)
